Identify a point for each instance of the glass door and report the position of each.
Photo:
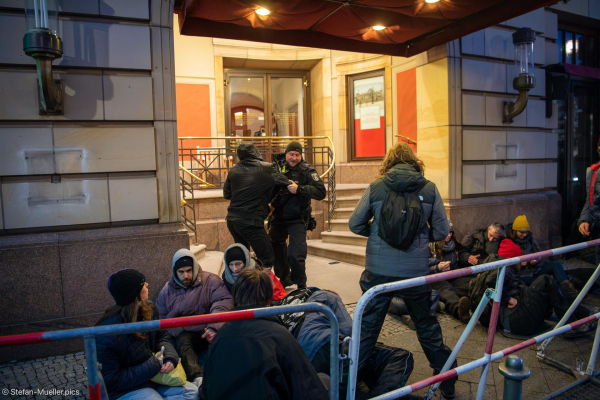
(287, 106)
(246, 96)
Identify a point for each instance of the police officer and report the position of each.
(250, 186)
(291, 216)
(589, 220)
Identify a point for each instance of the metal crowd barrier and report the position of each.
(96, 388)
(490, 294)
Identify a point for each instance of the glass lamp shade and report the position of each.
(42, 15)
(523, 40)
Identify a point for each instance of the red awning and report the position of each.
(580, 70)
(411, 26)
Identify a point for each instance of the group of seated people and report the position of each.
(532, 291)
(289, 356)
(271, 357)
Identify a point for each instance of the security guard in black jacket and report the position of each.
(292, 216)
(250, 185)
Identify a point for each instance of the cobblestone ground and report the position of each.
(45, 377)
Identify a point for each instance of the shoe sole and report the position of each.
(464, 307)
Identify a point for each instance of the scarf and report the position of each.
(449, 246)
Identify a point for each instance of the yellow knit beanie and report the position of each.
(521, 224)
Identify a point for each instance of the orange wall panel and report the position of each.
(193, 113)
(407, 105)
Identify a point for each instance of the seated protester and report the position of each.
(191, 291)
(237, 258)
(519, 232)
(128, 362)
(476, 246)
(523, 309)
(385, 369)
(444, 257)
(258, 358)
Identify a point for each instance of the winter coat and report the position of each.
(250, 185)
(207, 295)
(591, 209)
(315, 330)
(278, 290)
(383, 259)
(528, 245)
(293, 207)
(451, 256)
(476, 243)
(259, 359)
(128, 363)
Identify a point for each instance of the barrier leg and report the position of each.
(91, 362)
(461, 341)
(565, 318)
(592, 363)
(491, 332)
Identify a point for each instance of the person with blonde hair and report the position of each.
(395, 253)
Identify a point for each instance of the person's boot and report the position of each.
(569, 289)
(464, 309)
(286, 282)
(441, 306)
(582, 330)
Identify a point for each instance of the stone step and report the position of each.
(344, 237)
(339, 225)
(340, 252)
(350, 189)
(199, 251)
(343, 213)
(346, 201)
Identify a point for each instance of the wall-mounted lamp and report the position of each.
(524, 80)
(43, 44)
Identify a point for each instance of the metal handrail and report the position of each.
(484, 362)
(190, 173)
(275, 139)
(95, 385)
(407, 138)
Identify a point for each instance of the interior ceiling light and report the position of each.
(431, 1)
(378, 27)
(263, 11)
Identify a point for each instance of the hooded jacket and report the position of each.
(206, 295)
(591, 209)
(528, 245)
(128, 363)
(250, 185)
(476, 243)
(292, 207)
(229, 277)
(383, 259)
(259, 359)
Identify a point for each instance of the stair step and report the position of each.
(351, 189)
(199, 251)
(344, 237)
(343, 212)
(341, 252)
(346, 201)
(339, 225)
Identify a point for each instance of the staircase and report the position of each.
(341, 244)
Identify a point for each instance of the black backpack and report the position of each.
(293, 322)
(400, 218)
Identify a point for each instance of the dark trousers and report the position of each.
(542, 296)
(255, 236)
(452, 291)
(293, 255)
(189, 345)
(386, 369)
(418, 301)
(553, 268)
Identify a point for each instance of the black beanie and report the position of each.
(235, 254)
(293, 146)
(184, 262)
(125, 286)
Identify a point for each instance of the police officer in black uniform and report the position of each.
(250, 185)
(292, 215)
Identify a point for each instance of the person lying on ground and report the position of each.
(236, 259)
(519, 232)
(128, 362)
(191, 291)
(258, 358)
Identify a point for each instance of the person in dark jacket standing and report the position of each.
(250, 185)
(128, 362)
(402, 172)
(258, 358)
(191, 291)
(291, 215)
(589, 219)
(480, 244)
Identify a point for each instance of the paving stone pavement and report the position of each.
(44, 377)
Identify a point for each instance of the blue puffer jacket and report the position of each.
(383, 259)
(127, 362)
(315, 330)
